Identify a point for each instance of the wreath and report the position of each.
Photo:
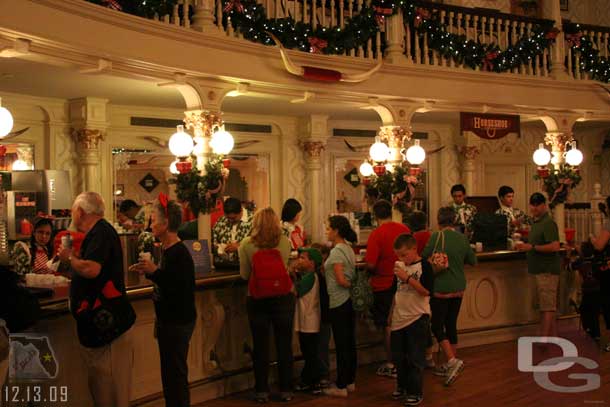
(202, 191)
(559, 182)
(397, 186)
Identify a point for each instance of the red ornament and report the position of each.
(226, 162)
(552, 34)
(379, 169)
(421, 14)
(233, 4)
(366, 181)
(488, 62)
(414, 172)
(317, 45)
(380, 13)
(184, 167)
(543, 172)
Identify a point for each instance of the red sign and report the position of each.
(490, 126)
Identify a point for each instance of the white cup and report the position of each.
(145, 256)
(401, 265)
(478, 247)
(221, 248)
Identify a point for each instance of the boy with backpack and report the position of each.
(410, 319)
(307, 316)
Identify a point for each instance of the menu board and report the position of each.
(200, 254)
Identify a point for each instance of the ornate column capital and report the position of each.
(557, 140)
(312, 149)
(395, 137)
(469, 152)
(87, 139)
(202, 122)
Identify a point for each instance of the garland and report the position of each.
(596, 66)
(559, 182)
(202, 191)
(249, 18)
(397, 186)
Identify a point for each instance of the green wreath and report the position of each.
(201, 191)
(559, 182)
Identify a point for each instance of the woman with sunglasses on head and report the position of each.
(174, 298)
(36, 257)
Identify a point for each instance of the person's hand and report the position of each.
(401, 273)
(516, 222)
(64, 254)
(144, 267)
(232, 247)
(523, 247)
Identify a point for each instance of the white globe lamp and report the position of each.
(542, 156)
(366, 169)
(416, 154)
(180, 143)
(20, 165)
(574, 156)
(222, 142)
(379, 151)
(173, 169)
(6, 122)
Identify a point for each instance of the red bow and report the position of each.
(113, 4)
(488, 64)
(380, 13)
(234, 4)
(421, 15)
(164, 201)
(409, 179)
(552, 34)
(317, 45)
(574, 39)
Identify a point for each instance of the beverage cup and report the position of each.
(478, 247)
(221, 248)
(66, 241)
(399, 264)
(145, 256)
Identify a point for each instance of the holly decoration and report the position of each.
(598, 67)
(201, 191)
(249, 18)
(559, 182)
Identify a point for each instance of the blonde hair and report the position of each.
(266, 231)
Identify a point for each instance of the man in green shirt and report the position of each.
(543, 261)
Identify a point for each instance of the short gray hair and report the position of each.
(91, 203)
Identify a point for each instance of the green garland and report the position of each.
(395, 183)
(596, 66)
(559, 183)
(201, 191)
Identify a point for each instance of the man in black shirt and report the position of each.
(97, 279)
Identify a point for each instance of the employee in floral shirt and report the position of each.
(228, 232)
(464, 213)
(515, 217)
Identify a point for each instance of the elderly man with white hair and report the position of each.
(99, 304)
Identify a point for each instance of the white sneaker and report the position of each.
(351, 387)
(387, 369)
(334, 391)
(454, 371)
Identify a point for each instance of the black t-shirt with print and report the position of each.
(101, 245)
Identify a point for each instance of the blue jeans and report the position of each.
(409, 355)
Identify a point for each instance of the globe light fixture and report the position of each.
(173, 169)
(222, 142)
(366, 169)
(379, 151)
(574, 156)
(180, 143)
(416, 154)
(20, 165)
(6, 121)
(542, 156)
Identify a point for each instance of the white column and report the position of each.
(558, 69)
(597, 221)
(557, 140)
(470, 154)
(313, 166)
(88, 119)
(395, 38)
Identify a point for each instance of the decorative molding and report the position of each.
(313, 149)
(88, 139)
(469, 152)
(202, 122)
(557, 140)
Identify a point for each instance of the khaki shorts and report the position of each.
(546, 286)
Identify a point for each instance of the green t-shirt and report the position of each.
(341, 253)
(458, 251)
(544, 231)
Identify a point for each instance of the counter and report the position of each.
(499, 305)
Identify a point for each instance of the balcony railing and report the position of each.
(500, 42)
